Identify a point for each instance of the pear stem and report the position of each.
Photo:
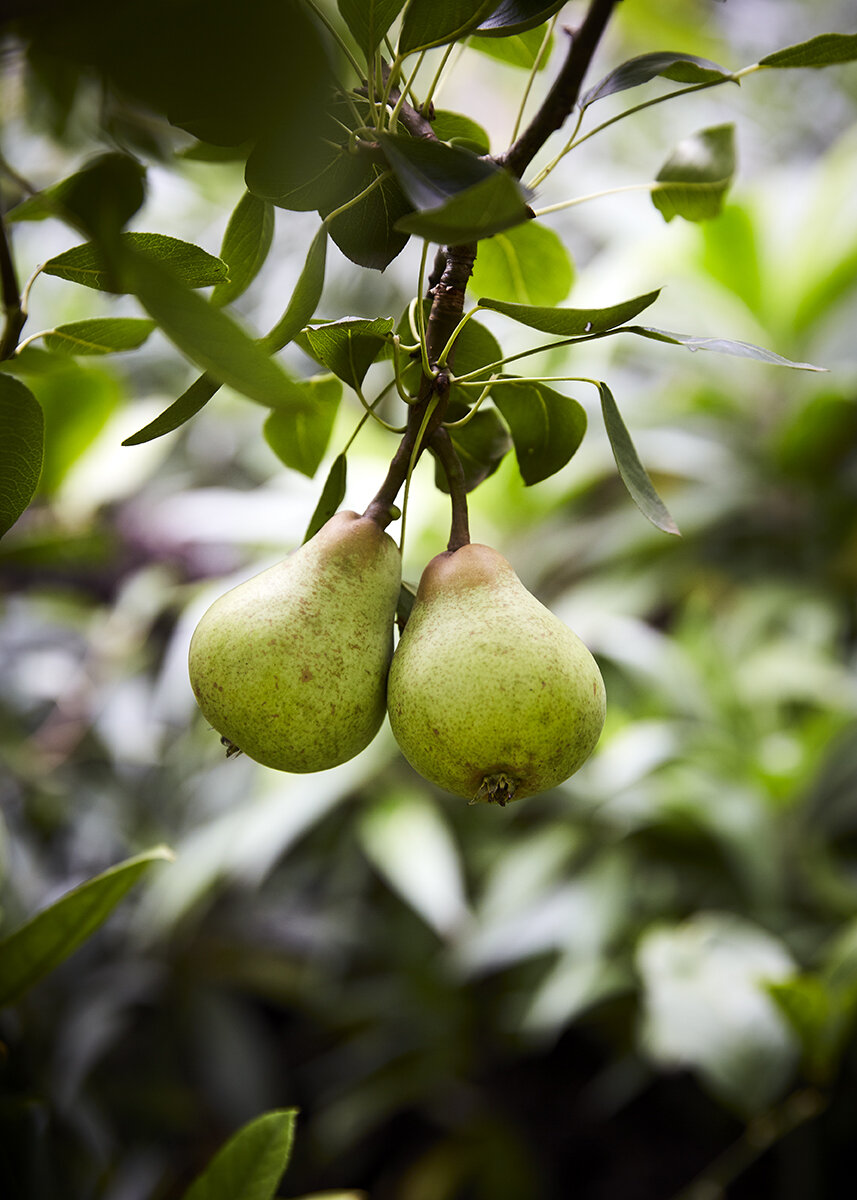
(447, 285)
(444, 451)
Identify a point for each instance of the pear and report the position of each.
(490, 695)
(291, 666)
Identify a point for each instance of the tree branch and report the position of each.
(562, 97)
(15, 317)
(446, 454)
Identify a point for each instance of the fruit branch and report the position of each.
(562, 97)
(446, 454)
(13, 310)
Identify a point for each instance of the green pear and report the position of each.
(291, 666)
(490, 695)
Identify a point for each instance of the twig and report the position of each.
(562, 97)
(446, 454)
(14, 315)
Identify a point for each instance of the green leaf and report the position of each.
(349, 346)
(368, 233)
(332, 495)
(547, 427)
(455, 127)
(251, 1164)
(369, 20)
(85, 264)
(47, 939)
(188, 405)
(497, 203)
(208, 337)
(826, 50)
(22, 440)
(521, 50)
(475, 347)
(100, 335)
(246, 243)
(304, 299)
(631, 470)
(99, 199)
(428, 23)
(694, 180)
(517, 16)
(300, 439)
(528, 264)
(820, 1015)
(719, 346)
(572, 322)
(481, 444)
(431, 172)
(682, 68)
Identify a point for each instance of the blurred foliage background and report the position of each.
(644, 978)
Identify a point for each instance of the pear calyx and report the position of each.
(291, 666)
(491, 696)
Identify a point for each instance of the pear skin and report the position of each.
(491, 696)
(291, 666)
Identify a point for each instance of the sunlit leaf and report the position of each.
(22, 437)
(719, 346)
(516, 16)
(694, 180)
(369, 20)
(632, 472)
(349, 346)
(528, 264)
(519, 50)
(304, 299)
(497, 203)
(85, 264)
(99, 335)
(208, 337)
(481, 445)
(300, 439)
(188, 405)
(251, 1164)
(456, 128)
(428, 23)
(572, 322)
(48, 938)
(682, 68)
(826, 50)
(331, 497)
(246, 243)
(546, 426)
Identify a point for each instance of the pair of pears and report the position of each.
(489, 695)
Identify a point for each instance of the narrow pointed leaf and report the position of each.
(633, 473)
(486, 208)
(572, 322)
(100, 335)
(682, 68)
(694, 180)
(719, 346)
(47, 939)
(528, 264)
(350, 345)
(369, 20)
(547, 427)
(300, 439)
(251, 1164)
(826, 50)
(332, 495)
(481, 445)
(208, 337)
(517, 16)
(246, 243)
(304, 299)
(428, 23)
(85, 264)
(22, 442)
(188, 405)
